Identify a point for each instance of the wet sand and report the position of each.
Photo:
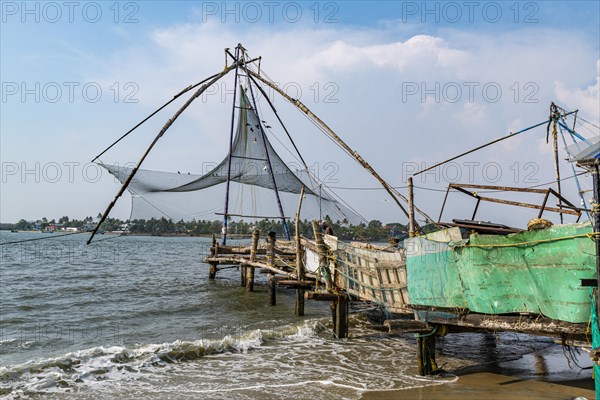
(488, 385)
(542, 374)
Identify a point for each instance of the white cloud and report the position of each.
(586, 99)
(370, 68)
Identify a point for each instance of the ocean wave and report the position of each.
(87, 367)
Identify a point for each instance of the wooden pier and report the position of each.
(326, 269)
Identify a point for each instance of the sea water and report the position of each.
(136, 317)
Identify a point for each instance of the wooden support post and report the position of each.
(243, 273)
(299, 261)
(214, 249)
(250, 269)
(426, 354)
(272, 283)
(411, 209)
(300, 289)
(420, 362)
(322, 250)
(341, 317)
(339, 311)
(212, 270)
(250, 279)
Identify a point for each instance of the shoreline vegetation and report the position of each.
(374, 230)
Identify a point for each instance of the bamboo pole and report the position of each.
(554, 116)
(354, 154)
(271, 171)
(485, 145)
(158, 136)
(230, 155)
(411, 209)
(299, 260)
(181, 93)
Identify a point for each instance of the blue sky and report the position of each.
(355, 63)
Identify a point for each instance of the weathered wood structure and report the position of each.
(424, 292)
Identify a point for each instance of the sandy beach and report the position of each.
(488, 385)
(544, 374)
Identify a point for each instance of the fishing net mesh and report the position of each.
(256, 173)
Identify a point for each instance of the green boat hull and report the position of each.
(537, 272)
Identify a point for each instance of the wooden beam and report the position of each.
(528, 205)
(320, 296)
(498, 188)
(538, 326)
(245, 261)
(250, 216)
(297, 284)
(398, 326)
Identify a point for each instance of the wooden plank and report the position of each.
(256, 264)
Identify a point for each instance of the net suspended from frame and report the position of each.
(177, 196)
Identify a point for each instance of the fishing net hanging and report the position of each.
(177, 196)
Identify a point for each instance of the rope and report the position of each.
(444, 190)
(366, 286)
(283, 261)
(562, 135)
(42, 238)
(591, 235)
(335, 260)
(433, 332)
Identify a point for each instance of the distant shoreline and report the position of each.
(206, 235)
